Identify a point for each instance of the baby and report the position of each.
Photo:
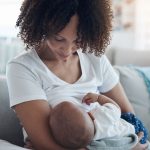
(74, 128)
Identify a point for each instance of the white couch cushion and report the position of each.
(136, 92)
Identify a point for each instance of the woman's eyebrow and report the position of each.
(64, 37)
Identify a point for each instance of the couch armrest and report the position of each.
(10, 129)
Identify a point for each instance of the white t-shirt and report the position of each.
(29, 78)
(108, 122)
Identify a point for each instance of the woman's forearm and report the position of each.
(34, 116)
(119, 96)
(102, 99)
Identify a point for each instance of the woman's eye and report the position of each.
(58, 39)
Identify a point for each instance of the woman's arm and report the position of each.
(102, 99)
(34, 115)
(119, 96)
(140, 146)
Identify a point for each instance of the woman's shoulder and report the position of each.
(23, 57)
(92, 59)
(26, 61)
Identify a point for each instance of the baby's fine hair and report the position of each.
(70, 127)
(40, 19)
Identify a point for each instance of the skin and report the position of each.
(101, 99)
(37, 112)
(60, 58)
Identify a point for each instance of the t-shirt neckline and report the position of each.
(55, 76)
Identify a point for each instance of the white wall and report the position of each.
(9, 11)
(123, 40)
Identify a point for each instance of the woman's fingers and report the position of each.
(28, 145)
(140, 136)
(140, 146)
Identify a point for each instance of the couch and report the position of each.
(133, 84)
(10, 129)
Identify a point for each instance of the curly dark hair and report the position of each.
(40, 19)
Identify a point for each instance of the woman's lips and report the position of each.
(64, 56)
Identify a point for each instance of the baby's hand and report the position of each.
(90, 98)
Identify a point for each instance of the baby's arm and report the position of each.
(101, 99)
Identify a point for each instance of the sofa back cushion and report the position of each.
(136, 92)
(10, 129)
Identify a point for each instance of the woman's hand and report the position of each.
(28, 144)
(140, 146)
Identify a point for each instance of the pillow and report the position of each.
(10, 129)
(4, 145)
(136, 91)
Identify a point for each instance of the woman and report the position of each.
(61, 36)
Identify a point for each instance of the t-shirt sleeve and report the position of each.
(108, 74)
(23, 84)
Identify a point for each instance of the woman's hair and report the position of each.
(40, 19)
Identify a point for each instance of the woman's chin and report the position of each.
(64, 58)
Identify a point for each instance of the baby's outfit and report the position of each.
(108, 122)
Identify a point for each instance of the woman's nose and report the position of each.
(69, 48)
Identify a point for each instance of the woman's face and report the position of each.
(64, 44)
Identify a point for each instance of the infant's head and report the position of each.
(71, 126)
